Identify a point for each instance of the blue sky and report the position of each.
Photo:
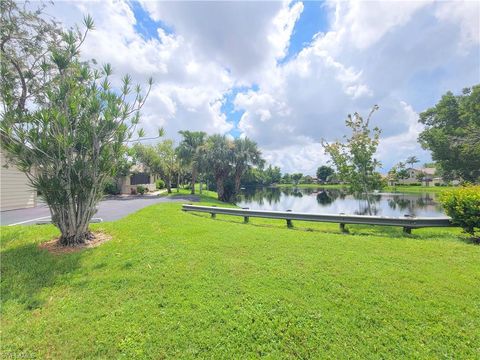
(313, 20)
(286, 74)
(145, 25)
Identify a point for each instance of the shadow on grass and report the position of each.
(26, 271)
(472, 240)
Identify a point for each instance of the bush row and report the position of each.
(463, 206)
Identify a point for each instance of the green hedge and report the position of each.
(160, 184)
(463, 206)
(111, 188)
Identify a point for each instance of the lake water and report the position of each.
(336, 201)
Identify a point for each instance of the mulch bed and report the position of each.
(55, 248)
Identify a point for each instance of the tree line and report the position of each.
(203, 159)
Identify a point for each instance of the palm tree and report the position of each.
(219, 154)
(245, 155)
(189, 152)
(412, 160)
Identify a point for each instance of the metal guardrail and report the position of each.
(408, 223)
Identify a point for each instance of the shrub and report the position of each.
(111, 188)
(463, 206)
(160, 184)
(141, 189)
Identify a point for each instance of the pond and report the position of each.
(336, 201)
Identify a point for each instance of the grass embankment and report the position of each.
(419, 189)
(179, 285)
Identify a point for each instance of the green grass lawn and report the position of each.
(178, 285)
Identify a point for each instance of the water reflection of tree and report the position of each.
(411, 203)
(367, 204)
(260, 195)
(326, 197)
(297, 193)
(323, 198)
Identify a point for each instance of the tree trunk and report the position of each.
(73, 219)
(178, 182)
(220, 189)
(169, 185)
(237, 183)
(194, 177)
(201, 186)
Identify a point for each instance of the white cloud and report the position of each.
(363, 23)
(187, 90)
(466, 15)
(400, 55)
(244, 37)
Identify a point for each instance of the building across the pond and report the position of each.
(424, 176)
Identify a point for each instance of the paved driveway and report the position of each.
(108, 210)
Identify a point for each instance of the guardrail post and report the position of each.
(289, 221)
(406, 229)
(246, 219)
(343, 228)
(213, 215)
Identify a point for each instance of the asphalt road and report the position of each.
(108, 210)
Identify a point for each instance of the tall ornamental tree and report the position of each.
(323, 172)
(219, 153)
(296, 177)
(245, 156)
(189, 151)
(61, 122)
(354, 158)
(452, 134)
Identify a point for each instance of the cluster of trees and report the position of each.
(297, 178)
(399, 171)
(202, 159)
(272, 175)
(452, 134)
(261, 176)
